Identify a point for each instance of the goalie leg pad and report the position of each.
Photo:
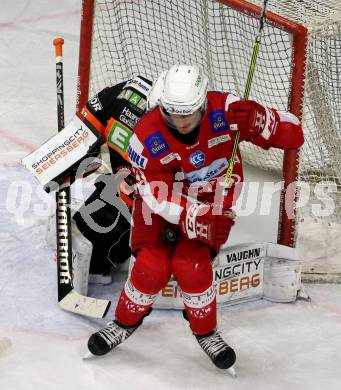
(108, 248)
(282, 273)
(81, 254)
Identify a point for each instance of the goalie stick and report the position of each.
(68, 298)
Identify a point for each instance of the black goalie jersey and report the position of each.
(114, 112)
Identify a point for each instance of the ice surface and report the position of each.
(279, 346)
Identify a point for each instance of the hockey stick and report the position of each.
(256, 47)
(68, 298)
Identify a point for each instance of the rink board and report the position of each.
(238, 276)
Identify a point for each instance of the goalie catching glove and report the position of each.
(252, 119)
(199, 223)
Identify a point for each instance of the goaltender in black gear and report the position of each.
(114, 112)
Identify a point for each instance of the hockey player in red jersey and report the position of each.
(180, 153)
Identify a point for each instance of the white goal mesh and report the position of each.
(321, 153)
(145, 37)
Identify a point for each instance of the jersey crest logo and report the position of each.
(156, 144)
(218, 121)
(197, 159)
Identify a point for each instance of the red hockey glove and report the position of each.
(198, 223)
(252, 119)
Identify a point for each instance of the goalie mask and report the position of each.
(183, 100)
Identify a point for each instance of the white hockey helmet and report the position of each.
(184, 92)
(153, 99)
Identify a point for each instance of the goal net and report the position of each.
(298, 69)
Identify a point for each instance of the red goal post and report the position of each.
(295, 84)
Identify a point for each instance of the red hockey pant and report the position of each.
(190, 263)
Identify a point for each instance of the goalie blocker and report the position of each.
(62, 154)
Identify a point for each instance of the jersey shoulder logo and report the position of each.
(197, 159)
(135, 150)
(156, 144)
(218, 121)
(136, 159)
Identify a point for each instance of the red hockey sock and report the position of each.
(132, 305)
(202, 319)
(149, 275)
